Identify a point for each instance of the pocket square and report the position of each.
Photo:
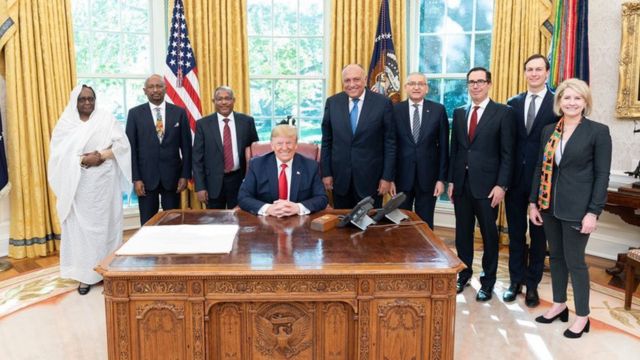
(177, 124)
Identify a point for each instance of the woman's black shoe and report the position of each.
(83, 290)
(563, 315)
(571, 335)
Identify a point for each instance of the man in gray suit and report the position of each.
(218, 151)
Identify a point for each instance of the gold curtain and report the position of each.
(518, 32)
(353, 29)
(40, 72)
(218, 33)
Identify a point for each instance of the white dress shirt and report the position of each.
(163, 112)
(412, 109)
(482, 107)
(527, 101)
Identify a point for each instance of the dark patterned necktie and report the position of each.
(415, 129)
(227, 147)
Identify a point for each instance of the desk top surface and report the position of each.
(287, 246)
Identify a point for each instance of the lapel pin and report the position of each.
(297, 172)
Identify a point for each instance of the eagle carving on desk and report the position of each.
(283, 334)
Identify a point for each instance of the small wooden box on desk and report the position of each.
(285, 292)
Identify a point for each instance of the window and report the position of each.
(287, 64)
(115, 45)
(453, 36)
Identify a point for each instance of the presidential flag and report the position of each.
(181, 73)
(384, 75)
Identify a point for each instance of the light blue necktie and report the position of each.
(353, 116)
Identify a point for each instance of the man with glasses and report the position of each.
(282, 183)
(482, 142)
(422, 148)
(218, 151)
(160, 140)
(533, 110)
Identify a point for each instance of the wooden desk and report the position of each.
(624, 201)
(285, 292)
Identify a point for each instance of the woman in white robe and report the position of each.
(89, 168)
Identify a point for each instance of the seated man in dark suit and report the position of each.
(282, 183)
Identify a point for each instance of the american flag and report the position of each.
(181, 73)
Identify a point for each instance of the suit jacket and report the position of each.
(489, 156)
(208, 153)
(158, 163)
(579, 184)
(429, 156)
(260, 186)
(367, 156)
(528, 146)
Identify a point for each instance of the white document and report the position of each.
(180, 239)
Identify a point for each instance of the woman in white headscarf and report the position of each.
(89, 169)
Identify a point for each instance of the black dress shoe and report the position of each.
(484, 295)
(531, 299)
(461, 284)
(571, 335)
(563, 315)
(512, 292)
(83, 290)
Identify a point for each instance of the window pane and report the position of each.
(263, 125)
(455, 94)
(285, 17)
(434, 90)
(311, 98)
(105, 15)
(484, 15)
(461, 13)
(259, 17)
(106, 58)
(430, 60)
(285, 56)
(136, 54)
(82, 42)
(310, 130)
(311, 19)
(310, 56)
(134, 94)
(135, 16)
(81, 16)
(483, 50)
(457, 53)
(261, 97)
(260, 59)
(432, 15)
(285, 99)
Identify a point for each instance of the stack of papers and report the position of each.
(181, 239)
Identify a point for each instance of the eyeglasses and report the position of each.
(86, 99)
(416, 83)
(477, 82)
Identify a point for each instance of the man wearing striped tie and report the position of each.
(422, 148)
(218, 151)
(160, 140)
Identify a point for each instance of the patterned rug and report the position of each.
(607, 304)
(21, 291)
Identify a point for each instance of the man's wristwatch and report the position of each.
(504, 188)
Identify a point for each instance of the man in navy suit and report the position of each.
(533, 110)
(422, 148)
(160, 140)
(218, 151)
(482, 141)
(358, 142)
(282, 183)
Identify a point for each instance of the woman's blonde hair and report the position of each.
(578, 86)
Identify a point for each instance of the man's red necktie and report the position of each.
(282, 184)
(473, 123)
(227, 148)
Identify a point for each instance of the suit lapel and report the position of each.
(463, 124)
(487, 115)
(296, 171)
(169, 121)
(363, 111)
(343, 108)
(518, 108)
(273, 175)
(425, 123)
(215, 130)
(405, 118)
(575, 138)
(239, 133)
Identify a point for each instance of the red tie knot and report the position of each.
(283, 166)
(226, 121)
